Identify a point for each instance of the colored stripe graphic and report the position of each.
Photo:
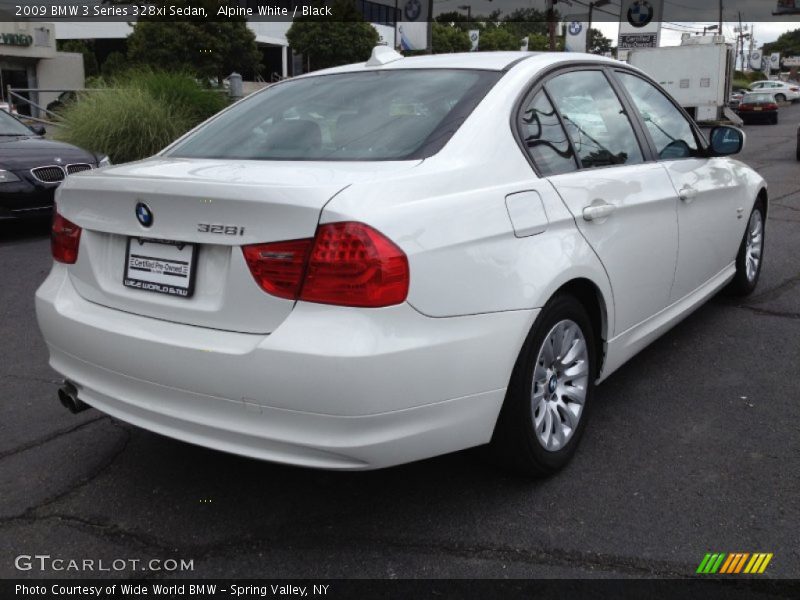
(717, 563)
(734, 563)
(766, 562)
(741, 562)
(727, 564)
(703, 563)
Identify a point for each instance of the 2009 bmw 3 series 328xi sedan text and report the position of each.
(392, 260)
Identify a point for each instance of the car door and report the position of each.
(624, 206)
(712, 199)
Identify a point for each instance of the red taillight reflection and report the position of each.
(65, 237)
(347, 264)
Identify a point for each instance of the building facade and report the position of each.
(29, 60)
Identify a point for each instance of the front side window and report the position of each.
(544, 138)
(373, 115)
(595, 119)
(671, 131)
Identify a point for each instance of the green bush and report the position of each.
(138, 114)
(177, 90)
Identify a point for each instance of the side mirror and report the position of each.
(38, 129)
(726, 141)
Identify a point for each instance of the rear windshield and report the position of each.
(372, 115)
(758, 98)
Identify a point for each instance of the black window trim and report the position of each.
(700, 140)
(539, 83)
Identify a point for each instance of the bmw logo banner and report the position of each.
(413, 25)
(576, 36)
(639, 25)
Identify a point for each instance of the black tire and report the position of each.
(741, 285)
(515, 443)
(780, 98)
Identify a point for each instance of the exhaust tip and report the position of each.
(68, 397)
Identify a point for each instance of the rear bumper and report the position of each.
(331, 387)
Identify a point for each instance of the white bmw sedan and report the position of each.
(388, 261)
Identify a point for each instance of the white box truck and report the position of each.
(698, 74)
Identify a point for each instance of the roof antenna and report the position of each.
(382, 55)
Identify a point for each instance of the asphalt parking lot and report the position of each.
(693, 447)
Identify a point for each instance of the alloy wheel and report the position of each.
(754, 245)
(560, 383)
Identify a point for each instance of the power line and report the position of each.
(598, 9)
(697, 8)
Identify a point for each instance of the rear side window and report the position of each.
(670, 130)
(544, 138)
(595, 119)
(372, 115)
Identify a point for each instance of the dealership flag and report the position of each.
(756, 60)
(474, 39)
(412, 27)
(576, 36)
(775, 60)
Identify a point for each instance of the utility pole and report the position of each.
(720, 17)
(741, 38)
(592, 5)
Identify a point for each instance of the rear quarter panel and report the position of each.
(449, 216)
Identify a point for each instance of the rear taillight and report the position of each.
(354, 265)
(771, 107)
(65, 237)
(278, 267)
(794, 89)
(348, 264)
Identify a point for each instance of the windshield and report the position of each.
(373, 115)
(10, 126)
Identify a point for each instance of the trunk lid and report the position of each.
(215, 205)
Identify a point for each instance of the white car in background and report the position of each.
(783, 92)
(383, 262)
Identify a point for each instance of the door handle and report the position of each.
(598, 210)
(687, 193)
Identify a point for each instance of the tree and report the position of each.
(538, 42)
(115, 63)
(334, 40)
(449, 39)
(209, 49)
(526, 21)
(788, 44)
(598, 43)
(498, 38)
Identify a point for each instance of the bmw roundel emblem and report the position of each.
(144, 215)
(640, 13)
(413, 9)
(575, 27)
